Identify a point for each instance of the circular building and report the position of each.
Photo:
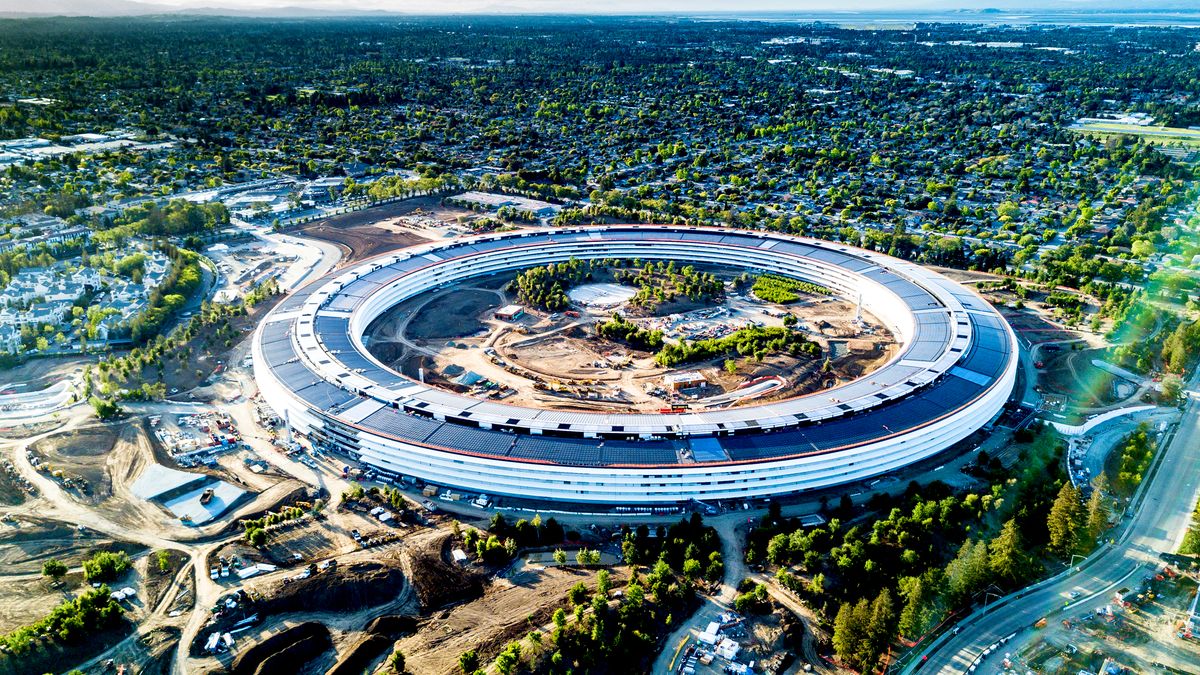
(952, 373)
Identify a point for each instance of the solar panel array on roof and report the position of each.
(337, 342)
(297, 299)
(324, 396)
(639, 452)
(344, 301)
(841, 259)
(990, 348)
(331, 325)
(381, 276)
(970, 300)
(490, 245)
(275, 330)
(577, 452)
(295, 375)
(278, 353)
(403, 425)
(953, 391)
(457, 437)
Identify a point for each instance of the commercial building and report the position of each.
(952, 374)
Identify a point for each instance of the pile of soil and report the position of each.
(437, 582)
(359, 657)
(392, 625)
(346, 588)
(284, 653)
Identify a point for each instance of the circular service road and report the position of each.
(954, 369)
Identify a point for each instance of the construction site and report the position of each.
(1148, 625)
(479, 340)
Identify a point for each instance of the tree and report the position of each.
(1064, 521)
(396, 661)
(468, 661)
(105, 566)
(578, 594)
(509, 659)
(1172, 387)
(921, 611)
(968, 572)
(55, 569)
(1097, 508)
(850, 632)
(163, 560)
(881, 623)
(105, 409)
(560, 556)
(1007, 555)
(256, 536)
(603, 582)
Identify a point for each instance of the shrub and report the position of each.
(105, 566)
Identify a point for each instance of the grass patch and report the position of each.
(1151, 134)
(784, 290)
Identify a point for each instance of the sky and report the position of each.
(122, 7)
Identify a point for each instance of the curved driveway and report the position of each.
(1160, 512)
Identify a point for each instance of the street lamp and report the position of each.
(1073, 557)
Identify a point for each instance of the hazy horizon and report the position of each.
(573, 7)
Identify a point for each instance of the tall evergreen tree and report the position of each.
(1065, 520)
(1007, 555)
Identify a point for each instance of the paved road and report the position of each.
(1158, 524)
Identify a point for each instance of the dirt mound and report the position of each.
(90, 441)
(287, 660)
(392, 625)
(437, 582)
(506, 612)
(300, 493)
(387, 351)
(361, 655)
(298, 644)
(347, 588)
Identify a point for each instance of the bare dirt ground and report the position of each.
(436, 581)
(198, 362)
(11, 492)
(377, 230)
(492, 621)
(83, 452)
(158, 580)
(772, 639)
(551, 360)
(27, 541)
(25, 544)
(37, 374)
(453, 315)
(111, 471)
(151, 651)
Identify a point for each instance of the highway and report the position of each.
(1160, 515)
